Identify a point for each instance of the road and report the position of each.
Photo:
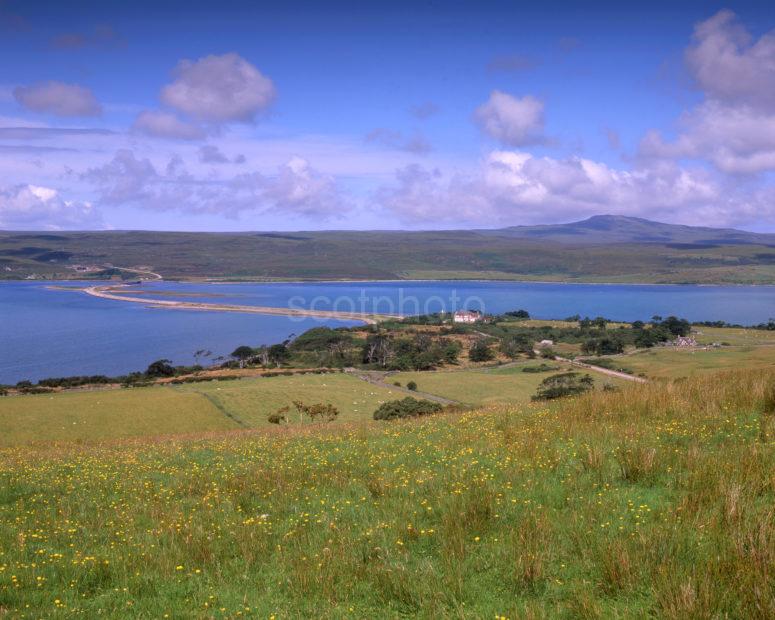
(378, 378)
(601, 370)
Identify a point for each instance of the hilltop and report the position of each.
(603, 248)
(612, 229)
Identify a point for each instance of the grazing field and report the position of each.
(106, 414)
(733, 336)
(188, 408)
(656, 501)
(497, 386)
(250, 401)
(671, 363)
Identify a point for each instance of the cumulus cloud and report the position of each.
(415, 143)
(736, 139)
(58, 98)
(734, 127)
(512, 120)
(729, 65)
(516, 187)
(28, 207)
(166, 125)
(296, 189)
(219, 89)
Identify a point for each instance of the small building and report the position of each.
(467, 316)
(685, 341)
(546, 343)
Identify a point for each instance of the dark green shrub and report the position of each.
(565, 384)
(480, 352)
(411, 386)
(406, 408)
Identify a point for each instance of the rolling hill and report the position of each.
(602, 248)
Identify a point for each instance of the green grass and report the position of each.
(733, 336)
(498, 386)
(653, 502)
(671, 363)
(106, 414)
(251, 400)
(189, 408)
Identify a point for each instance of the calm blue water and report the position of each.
(47, 333)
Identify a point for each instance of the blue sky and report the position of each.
(259, 116)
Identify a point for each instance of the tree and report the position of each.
(406, 408)
(602, 346)
(514, 346)
(519, 314)
(279, 416)
(243, 354)
(480, 352)
(565, 384)
(160, 368)
(323, 411)
(676, 326)
(378, 349)
(278, 353)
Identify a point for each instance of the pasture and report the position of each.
(250, 401)
(672, 363)
(178, 409)
(106, 414)
(655, 501)
(485, 387)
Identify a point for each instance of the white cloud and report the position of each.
(734, 128)
(296, 190)
(58, 98)
(736, 139)
(219, 89)
(166, 125)
(515, 187)
(512, 120)
(29, 207)
(729, 65)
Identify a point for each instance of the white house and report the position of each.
(467, 316)
(546, 343)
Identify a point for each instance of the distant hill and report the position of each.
(604, 248)
(601, 229)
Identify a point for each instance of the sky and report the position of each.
(231, 116)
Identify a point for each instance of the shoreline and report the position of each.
(108, 292)
(205, 280)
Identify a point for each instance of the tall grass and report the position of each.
(655, 501)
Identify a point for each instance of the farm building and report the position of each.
(467, 316)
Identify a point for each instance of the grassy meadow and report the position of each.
(106, 414)
(485, 387)
(188, 408)
(250, 401)
(653, 501)
(672, 363)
